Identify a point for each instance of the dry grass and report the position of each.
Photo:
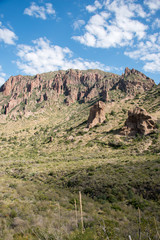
(40, 180)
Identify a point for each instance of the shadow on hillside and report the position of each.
(113, 131)
(84, 123)
(92, 101)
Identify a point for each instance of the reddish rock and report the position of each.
(127, 71)
(9, 85)
(75, 85)
(58, 84)
(138, 122)
(11, 104)
(93, 92)
(97, 114)
(105, 95)
(134, 82)
(50, 83)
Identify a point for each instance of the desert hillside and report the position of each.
(75, 133)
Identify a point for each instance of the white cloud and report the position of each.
(40, 11)
(93, 8)
(2, 80)
(2, 76)
(116, 25)
(77, 24)
(6, 35)
(153, 5)
(124, 23)
(45, 57)
(49, 9)
(156, 23)
(148, 52)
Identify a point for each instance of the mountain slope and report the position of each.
(23, 94)
(48, 157)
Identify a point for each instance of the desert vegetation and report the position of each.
(62, 180)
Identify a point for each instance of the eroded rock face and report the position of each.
(138, 122)
(97, 114)
(134, 82)
(74, 85)
(9, 85)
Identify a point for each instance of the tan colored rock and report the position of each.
(71, 138)
(138, 122)
(97, 114)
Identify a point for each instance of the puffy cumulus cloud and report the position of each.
(120, 23)
(149, 53)
(93, 8)
(40, 11)
(78, 24)
(153, 5)
(6, 35)
(2, 76)
(45, 57)
(116, 25)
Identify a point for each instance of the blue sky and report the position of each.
(47, 35)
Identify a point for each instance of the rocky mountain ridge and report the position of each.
(19, 92)
(108, 152)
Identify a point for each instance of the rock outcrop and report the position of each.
(8, 86)
(97, 114)
(138, 122)
(74, 85)
(134, 82)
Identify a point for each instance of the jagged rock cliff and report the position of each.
(133, 82)
(74, 85)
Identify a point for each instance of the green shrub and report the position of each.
(90, 144)
(13, 213)
(139, 137)
(12, 185)
(80, 133)
(112, 113)
(3, 111)
(138, 203)
(116, 144)
(107, 118)
(124, 110)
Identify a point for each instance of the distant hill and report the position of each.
(23, 94)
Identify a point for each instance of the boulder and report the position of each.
(97, 114)
(138, 122)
